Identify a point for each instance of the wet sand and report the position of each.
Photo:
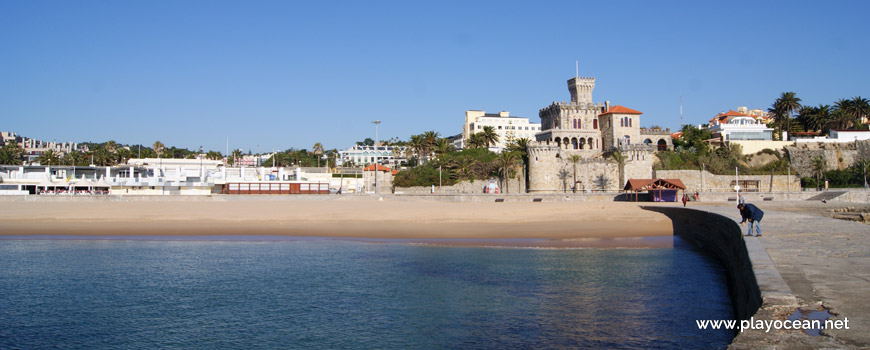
(555, 224)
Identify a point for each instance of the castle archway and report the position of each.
(662, 145)
(574, 142)
(582, 143)
(589, 143)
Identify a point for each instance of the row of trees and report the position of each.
(843, 114)
(441, 163)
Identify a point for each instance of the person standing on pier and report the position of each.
(751, 213)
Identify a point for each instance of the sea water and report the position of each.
(335, 294)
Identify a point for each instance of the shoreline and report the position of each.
(418, 220)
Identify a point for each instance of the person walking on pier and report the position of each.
(751, 213)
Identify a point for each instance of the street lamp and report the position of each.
(201, 170)
(377, 188)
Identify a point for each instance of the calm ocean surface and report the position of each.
(143, 294)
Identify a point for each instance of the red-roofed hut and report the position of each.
(659, 190)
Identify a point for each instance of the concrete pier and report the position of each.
(806, 259)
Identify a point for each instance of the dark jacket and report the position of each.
(751, 212)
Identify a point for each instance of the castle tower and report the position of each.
(581, 89)
(543, 167)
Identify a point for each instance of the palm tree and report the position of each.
(490, 137)
(443, 146)
(101, 156)
(818, 165)
(417, 143)
(521, 147)
(574, 160)
(787, 103)
(159, 148)
(214, 155)
(318, 150)
(49, 157)
(236, 155)
(506, 161)
(620, 162)
(476, 141)
(860, 107)
(112, 148)
(841, 119)
(73, 158)
(124, 154)
(11, 154)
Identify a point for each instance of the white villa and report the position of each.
(736, 126)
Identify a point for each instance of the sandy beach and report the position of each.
(556, 221)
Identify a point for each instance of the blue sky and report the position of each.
(274, 75)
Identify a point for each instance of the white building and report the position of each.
(364, 155)
(507, 127)
(735, 126)
(850, 135)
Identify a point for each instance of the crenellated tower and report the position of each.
(581, 89)
(544, 164)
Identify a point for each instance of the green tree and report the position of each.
(620, 162)
(476, 140)
(574, 160)
(237, 156)
(49, 157)
(158, 148)
(443, 146)
(73, 158)
(860, 108)
(10, 154)
(818, 165)
(506, 162)
(490, 137)
(112, 148)
(318, 150)
(214, 155)
(521, 146)
(785, 106)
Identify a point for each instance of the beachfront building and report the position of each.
(507, 127)
(736, 126)
(571, 153)
(377, 175)
(393, 156)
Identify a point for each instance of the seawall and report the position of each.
(721, 237)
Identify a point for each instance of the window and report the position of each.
(621, 122)
(595, 123)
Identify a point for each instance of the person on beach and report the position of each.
(751, 213)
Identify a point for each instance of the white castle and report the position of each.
(589, 131)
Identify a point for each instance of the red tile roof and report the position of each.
(380, 168)
(621, 110)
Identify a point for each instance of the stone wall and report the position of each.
(551, 173)
(836, 155)
(720, 237)
(704, 181)
(464, 187)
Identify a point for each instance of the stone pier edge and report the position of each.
(755, 286)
